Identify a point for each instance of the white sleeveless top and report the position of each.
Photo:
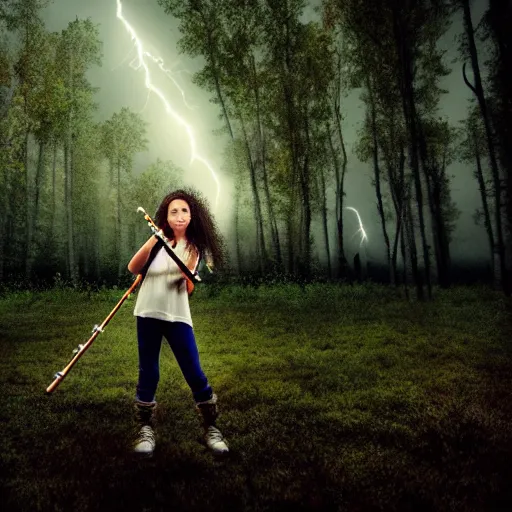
(163, 293)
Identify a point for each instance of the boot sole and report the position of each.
(142, 455)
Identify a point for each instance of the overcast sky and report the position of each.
(122, 85)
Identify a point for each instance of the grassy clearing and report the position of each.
(332, 398)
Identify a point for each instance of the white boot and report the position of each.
(145, 442)
(215, 440)
(212, 435)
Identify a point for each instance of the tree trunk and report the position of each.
(68, 156)
(376, 169)
(441, 247)
(54, 193)
(499, 17)
(396, 195)
(220, 97)
(397, 188)
(402, 200)
(237, 228)
(289, 230)
(260, 236)
(294, 123)
(213, 63)
(276, 244)
(479, 93)
(323, 194)
(306, 205)
(434, 176)
(479, 175)
(4, 191)
(440, 236)
(28, 210)
(392, 266)
(419, 197)
(97, 247)
(299, 245)
(409, 110)
(411, 242)
(404, 258)
(69, 210)
(2, 248)
(340, 179)
(119, 237)
(261, 143)
(39, 178)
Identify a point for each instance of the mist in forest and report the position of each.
(120, 85)
(235, 138)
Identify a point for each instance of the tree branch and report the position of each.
(467, 81)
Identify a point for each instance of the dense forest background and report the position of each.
(68, 184)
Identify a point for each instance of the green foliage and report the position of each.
(471, 136)
(442, 142)
(18, 14)
(80, 48)
(155, 182)
(123, 137)
(149, 188)
(269, 73)
(48, 105)
(277, 81)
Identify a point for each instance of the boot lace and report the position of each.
(146, 434)
(214, 435)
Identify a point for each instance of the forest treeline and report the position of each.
(279, 83)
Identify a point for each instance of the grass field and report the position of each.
(332, 398)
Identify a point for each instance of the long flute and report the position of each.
(97, 329)
(187, 273)
(81, 349)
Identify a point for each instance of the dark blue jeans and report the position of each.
(180, 337)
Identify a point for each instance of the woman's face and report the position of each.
(178, 216)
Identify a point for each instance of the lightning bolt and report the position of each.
(135, 64)
(141, 53)
(160, 63)
(361, 227)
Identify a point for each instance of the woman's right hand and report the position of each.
(141, 256)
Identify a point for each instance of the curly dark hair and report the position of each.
(202, 230)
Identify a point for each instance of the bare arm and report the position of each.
(192, 260)
(141, 256)
(191, 263)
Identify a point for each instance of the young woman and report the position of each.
(162, 310)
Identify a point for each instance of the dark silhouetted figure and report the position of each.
(357, 267)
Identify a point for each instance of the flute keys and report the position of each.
(77, 349)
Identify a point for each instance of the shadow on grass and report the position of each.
(69, 455)
(377, 442)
